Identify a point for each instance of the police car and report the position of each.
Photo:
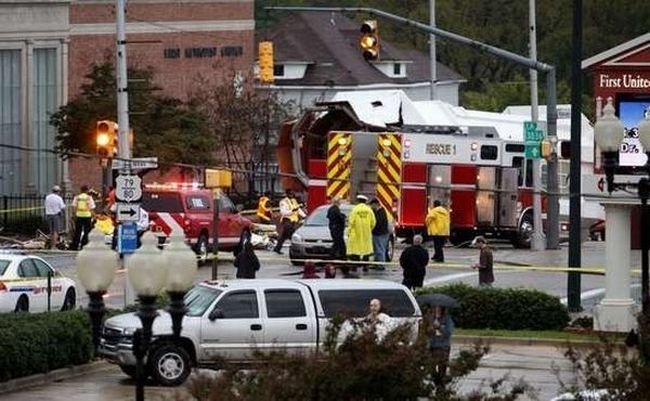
(24, 285)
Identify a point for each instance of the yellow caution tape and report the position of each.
(24, 209)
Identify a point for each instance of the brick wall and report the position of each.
(174, 70)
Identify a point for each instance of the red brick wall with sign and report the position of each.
(176, 55)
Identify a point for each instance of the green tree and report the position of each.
(164, 127)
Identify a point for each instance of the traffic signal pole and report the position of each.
(553, 205)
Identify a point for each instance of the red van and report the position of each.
(190, 210)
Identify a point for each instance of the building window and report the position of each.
(278, 70)
(10, 120)
(44, 104)
(397, 69)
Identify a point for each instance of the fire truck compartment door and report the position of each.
(485, 195)
(508, 198)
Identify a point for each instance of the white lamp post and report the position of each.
(608, 132)
(96, 266)
(182, 266)
(147, 272)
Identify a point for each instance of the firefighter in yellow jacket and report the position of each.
(437, 222)
(360, 225)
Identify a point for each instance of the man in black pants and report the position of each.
(290, 213)
(337, 228)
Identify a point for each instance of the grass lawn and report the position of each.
(587, 336)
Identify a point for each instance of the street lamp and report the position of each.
(147, 273)
(96, 266)
(150, 270)
(608, 132)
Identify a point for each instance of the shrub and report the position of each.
(38, 343)
(504, 309)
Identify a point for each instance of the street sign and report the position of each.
(127, 211)
(127, 238)
(532, 132)
(532, 151)
(128, 188)
(140, 163)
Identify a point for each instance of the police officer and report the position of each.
(83, 207)
(264, 208)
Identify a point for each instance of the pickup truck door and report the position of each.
(238, 329)
(290, 320)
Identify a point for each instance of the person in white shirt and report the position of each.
(54, 209)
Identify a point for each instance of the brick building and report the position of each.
(48, 46)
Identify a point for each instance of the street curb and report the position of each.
(52, 376)
(516, 341)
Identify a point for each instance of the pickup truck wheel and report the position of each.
(170, 365)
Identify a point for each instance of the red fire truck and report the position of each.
(484, 179)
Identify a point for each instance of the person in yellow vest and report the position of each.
(290, 215)
(83, 207)
(360, 224)
(264, 215)
(437, 222)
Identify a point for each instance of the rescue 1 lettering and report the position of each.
(441, 149)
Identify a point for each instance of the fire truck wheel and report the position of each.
(525, 233)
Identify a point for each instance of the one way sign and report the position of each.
(128, 211)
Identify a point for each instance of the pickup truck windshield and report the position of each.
(199, 298)
(354, 303)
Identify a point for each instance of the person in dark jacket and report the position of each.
(381, 232)
(246, 261)
(485, 263)
(337, 228)
(414, 260)
(439, 327)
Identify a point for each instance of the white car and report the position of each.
(23, 285)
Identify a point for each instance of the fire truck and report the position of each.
(479, 171)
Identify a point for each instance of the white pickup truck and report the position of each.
(227, 320)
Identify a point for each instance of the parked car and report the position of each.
(586, 395)
(228, 320)
(24, 285)
(312, 240)
(597, 231)
(190, 210)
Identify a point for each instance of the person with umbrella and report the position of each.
(439, 327)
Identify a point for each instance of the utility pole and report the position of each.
(432, 48)
(537, 243)
(123, 150)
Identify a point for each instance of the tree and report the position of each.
(163, 126)
(242, 119)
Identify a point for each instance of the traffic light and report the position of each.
(546, 149)
(369, 40)
(106, 138)
(265, 61)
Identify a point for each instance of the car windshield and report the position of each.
(319, 216)
(3, 266)
(199, 298)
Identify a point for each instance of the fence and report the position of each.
(23, 214)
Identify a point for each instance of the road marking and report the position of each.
(594, 293)
(448, 277)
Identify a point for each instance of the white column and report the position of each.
(617, 311)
